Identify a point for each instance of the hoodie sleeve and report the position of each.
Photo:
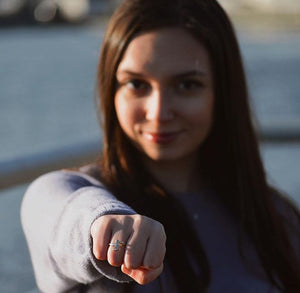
(56, 213)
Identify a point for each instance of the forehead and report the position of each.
(165, 51)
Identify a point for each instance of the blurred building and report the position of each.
(264, 6)
(45, 11)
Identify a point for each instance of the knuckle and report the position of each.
(164, 250)
(134, 264)
(100, 224)
(111, 262)
(97, 253)
(94, 229)
(139, 224)
(159, 230)
(114, 261)
(153, 263)
(162, 230)
(139, 219)
(105, 221)
(131, 261)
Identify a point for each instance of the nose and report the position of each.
(159, 106)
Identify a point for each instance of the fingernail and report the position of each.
(126, 270)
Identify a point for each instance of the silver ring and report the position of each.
(116, 246)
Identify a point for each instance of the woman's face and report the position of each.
(164, 98)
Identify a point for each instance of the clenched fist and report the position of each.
(141, 249)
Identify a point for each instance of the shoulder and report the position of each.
(64, 180)
(290, 216)
(287, 209)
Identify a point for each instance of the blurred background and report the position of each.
(48, 57)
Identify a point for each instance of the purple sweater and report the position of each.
(59, 208)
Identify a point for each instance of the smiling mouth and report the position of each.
(161, 138)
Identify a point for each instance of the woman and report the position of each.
(179, 200)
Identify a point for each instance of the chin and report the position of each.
(163, 157)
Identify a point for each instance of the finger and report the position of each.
(156, 249)
(116, 249)
(135, 250)
(141, 275)
(101, 235)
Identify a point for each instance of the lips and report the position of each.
(161, 138)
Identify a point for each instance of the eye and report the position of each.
(136, 85)
(189, 85)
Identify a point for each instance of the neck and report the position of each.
(177, 177)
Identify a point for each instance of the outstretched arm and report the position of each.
(57, 212)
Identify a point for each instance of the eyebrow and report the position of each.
(179, 75)
(191, 73)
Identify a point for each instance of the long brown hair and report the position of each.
(230, 157)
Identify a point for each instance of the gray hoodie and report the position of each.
(59, 207)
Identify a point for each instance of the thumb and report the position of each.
(143, 275)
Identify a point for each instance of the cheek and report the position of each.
(202, 114)
(128, 114)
